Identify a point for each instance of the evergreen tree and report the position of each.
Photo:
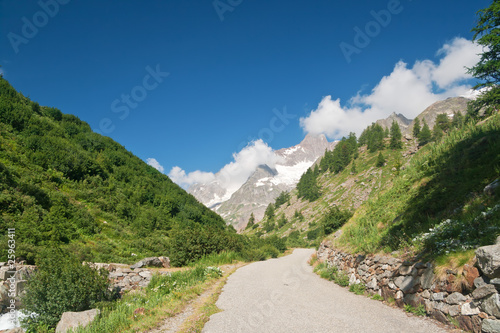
(282, 221)
(487, 70)
(387, 133)
(443, 122)
(251, 221)
(416, 128)
(380, 160)
(283, 198)
(375, 138)
(458, 120)
(396, 136)
(269, 211)
(425, 135)
(437, 133)
(308, 187)
(353, 168)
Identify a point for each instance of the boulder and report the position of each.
(151, 262)
(484, 291)
(406, 283)
(491, 326)
(491, 305)
(492, 188)
(75, 319)
(455, 298)
(488, 260)
(469, 309)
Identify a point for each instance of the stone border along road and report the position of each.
(284, 295)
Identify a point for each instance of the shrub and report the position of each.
(62, 284)
(357, 288)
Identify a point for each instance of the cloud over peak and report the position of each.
(406, 90)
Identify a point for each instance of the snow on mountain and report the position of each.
(265, 184)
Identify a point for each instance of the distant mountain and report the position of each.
(448, 106)
(402, 121)
(265, 184)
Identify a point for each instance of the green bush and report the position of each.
(357, 288)
(62, 284)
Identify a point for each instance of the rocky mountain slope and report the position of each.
(265, 184)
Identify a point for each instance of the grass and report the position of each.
(436, 205)
(377, 297)
(418, 311)
(357, 288)
(165, 296)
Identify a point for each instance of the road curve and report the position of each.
(284, 295)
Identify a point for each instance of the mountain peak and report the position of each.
(313, 138)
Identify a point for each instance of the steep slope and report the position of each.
(63, 185)
(426, 200)
(448, 107)
(265, 184)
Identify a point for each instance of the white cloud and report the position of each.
(155, 164)
(233, 174)
(406, 90)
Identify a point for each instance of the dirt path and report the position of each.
(284, 295)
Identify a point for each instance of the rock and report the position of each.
(470, 273)
(479, 281)
(151, 262)
(414, 300)
(469, 309)
(438, 296)
(491, 305)
(165, 261)
(492, 188)
(439, 316)
(496, 283)
(146, 274)
(405, 283)
(469, 324)
(372, 284)
(405, 270)
(75, 319)
(491, 326)
(391, 285)
(426, 294)
(484, 291)
(455, 298)
(399, 295)
(14, 330)
(488, 260)
(454, 310)
(352, 279)
(427, 278)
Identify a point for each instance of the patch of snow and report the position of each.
(290, 151)
(261, 182)
(290, 175)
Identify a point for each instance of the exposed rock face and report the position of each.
(448, 106)
(402, 121)
(265, 184)
(74, 319)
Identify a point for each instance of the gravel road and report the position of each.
(284, 295)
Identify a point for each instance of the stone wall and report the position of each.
(469, 298)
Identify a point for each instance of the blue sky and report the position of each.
(204, 81)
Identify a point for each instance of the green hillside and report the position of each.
(425, 200)
(63, 185)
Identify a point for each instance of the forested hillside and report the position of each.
(63, 185)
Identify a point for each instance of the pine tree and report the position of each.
(251, 221)
(443, 122)
(353, 168)
(380, 160)
(416, 128)
(395, 136)
(437, 133)
(458, 120)
(269, 211)
(425, 135)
